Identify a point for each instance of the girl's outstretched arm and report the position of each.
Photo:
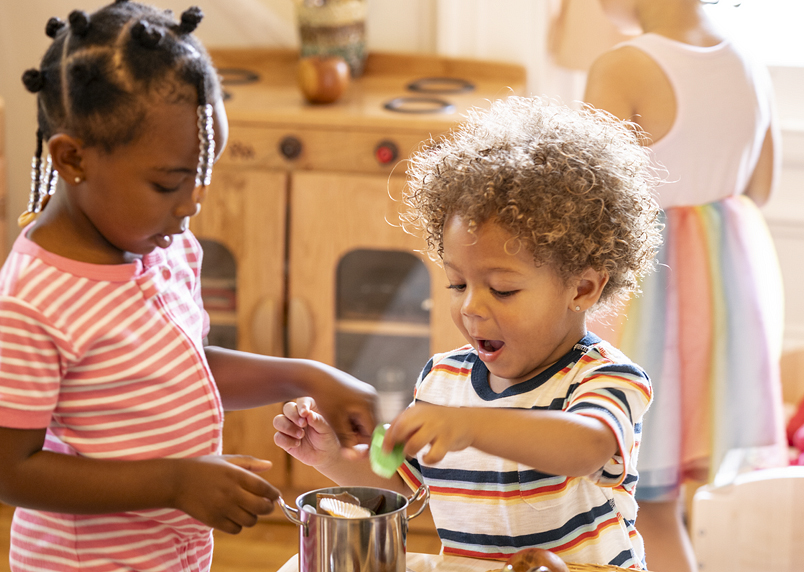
(222, 492)
(305, 434)
(248, 380)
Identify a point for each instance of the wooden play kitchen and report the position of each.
(303, 256)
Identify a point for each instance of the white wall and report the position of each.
(785, 211)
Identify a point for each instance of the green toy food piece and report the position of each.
(382, 463)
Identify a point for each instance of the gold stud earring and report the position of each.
(77, 180)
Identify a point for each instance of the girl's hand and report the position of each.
(443, 428)
(224, 492)
(305, 434)
(349, 406)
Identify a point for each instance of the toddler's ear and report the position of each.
(588, 288)
(66, 153)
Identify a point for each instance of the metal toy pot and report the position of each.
(368, 544)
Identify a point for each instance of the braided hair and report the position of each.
(93, 79)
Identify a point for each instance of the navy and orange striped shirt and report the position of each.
(489, 507)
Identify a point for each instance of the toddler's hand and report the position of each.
(224, 492)
(445, 429)
(305, 434)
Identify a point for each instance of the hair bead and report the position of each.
(206, 139)
(79, 22)
(33, 80)
(190, 19)
(147, 35)
(54, 26)
(37, 177)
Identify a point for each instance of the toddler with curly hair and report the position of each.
(527, 436)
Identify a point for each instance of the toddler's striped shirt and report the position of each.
(489, 507)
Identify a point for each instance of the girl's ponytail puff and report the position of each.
(147, 35)
(54, 26)
(79, 23)
(190, 19)
(34, 80)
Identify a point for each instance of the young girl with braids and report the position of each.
(111, 407)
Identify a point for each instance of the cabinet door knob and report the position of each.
(290, 147)
(300, 330)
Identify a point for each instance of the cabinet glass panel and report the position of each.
(219, 293)
(382, 332)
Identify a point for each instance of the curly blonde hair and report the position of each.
(574, 186)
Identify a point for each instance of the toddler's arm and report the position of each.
(305, 434)
(554, 442)
(249, 380)
(222, 492)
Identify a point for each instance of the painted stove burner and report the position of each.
(236, 76)
(429, 103)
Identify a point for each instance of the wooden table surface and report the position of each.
(426, 563)
(438, 563)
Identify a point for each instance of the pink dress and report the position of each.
(708, 326)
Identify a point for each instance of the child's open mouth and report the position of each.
(490, 346)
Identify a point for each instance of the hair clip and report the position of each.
(147, 35)
(54, 26)
(79, 22)
(33, 80)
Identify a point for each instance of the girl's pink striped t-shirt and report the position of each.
(110, 359)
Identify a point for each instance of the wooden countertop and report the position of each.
(275, 97)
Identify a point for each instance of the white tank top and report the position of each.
(723, 104)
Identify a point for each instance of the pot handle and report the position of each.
(422, 493)
(292, 514)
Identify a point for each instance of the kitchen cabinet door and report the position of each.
(244, 215)
(360, 296)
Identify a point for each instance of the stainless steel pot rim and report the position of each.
(294, 513)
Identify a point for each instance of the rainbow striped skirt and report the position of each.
(707, 328)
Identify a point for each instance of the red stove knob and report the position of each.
(386, 152)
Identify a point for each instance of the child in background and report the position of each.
(529, 435)
(708, 327)
(111, 406)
